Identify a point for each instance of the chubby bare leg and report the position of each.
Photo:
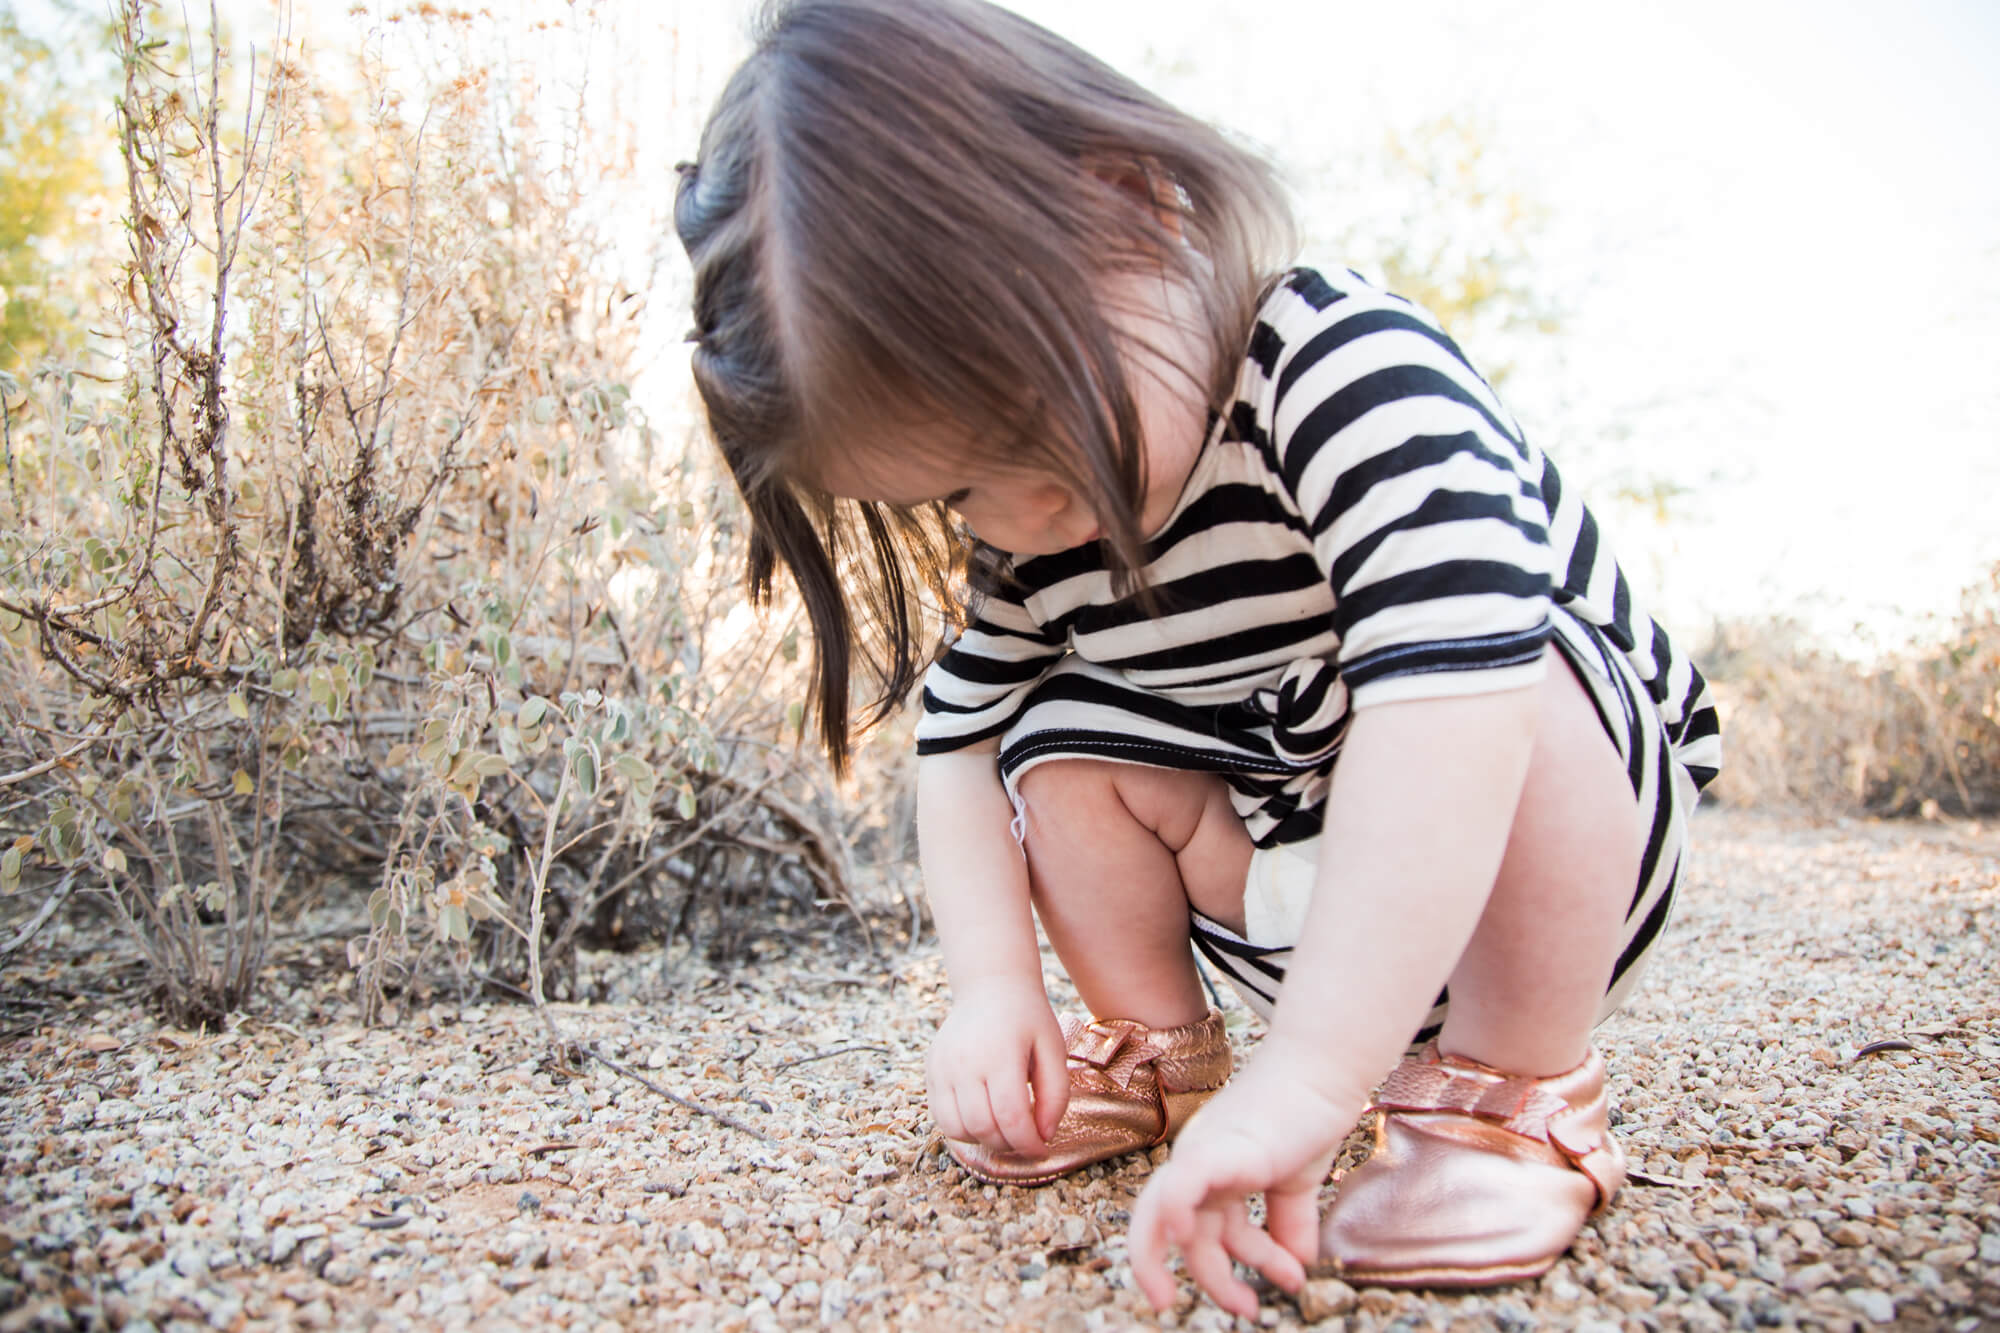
(1526, 991)
(1116, 852)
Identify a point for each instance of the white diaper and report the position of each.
(1276, 892)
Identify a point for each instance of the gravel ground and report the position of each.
(1809, 1085)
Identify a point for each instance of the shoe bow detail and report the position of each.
(1478, 1176)
(1518, 1104)
(1114, 1048)
(1131, 1087)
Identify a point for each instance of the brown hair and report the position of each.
(904, 211)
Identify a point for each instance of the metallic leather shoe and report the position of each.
(1130, 1087)
(1478, 1177)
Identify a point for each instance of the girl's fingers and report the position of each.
(1293, 1219)
(975, 1115)
(1208, 1263)
(1156, 1220)
(1251, 1244)
(1012, 1116)
(944, 1105)
(1048, 1069)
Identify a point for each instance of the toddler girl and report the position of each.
(1280, 637)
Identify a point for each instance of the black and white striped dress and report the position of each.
(1366, 524)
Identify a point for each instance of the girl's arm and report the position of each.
(1417, 821)
(1001, 1037)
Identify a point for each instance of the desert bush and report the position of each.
(1916, 732)
(354, 559)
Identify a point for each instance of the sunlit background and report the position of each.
(1770, 231)
(1762, 241)
(1751, 251)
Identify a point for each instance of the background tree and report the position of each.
(55, 149)
(360, 569)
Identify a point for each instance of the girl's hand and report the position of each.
(1000, 1040)
(1267, 1133)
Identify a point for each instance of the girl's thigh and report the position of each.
(1085, 818)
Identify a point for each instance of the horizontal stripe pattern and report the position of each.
(1366, 511)
(1660, 787)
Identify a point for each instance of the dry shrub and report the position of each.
(361, 564)
(1914, 733)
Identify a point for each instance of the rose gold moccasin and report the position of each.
(1478, 1177)
(1130, 1087)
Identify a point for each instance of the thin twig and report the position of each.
(13, 476)
(721, 1117)
(828, 1055)
(48, 909)
(56, 760)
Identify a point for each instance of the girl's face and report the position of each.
(1027, 511)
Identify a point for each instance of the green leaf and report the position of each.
(244, 783)
(584, 764)
(531, 712)
(239, 707)
(491, 765)
(687, 802)
(454, 924)
(10, 869)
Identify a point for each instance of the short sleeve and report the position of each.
(1421, 497)
(977, 689)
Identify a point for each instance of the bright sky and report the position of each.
(1773, 227)
(1776, 227)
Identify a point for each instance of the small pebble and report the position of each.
(1323, 1298)
(1839, 1194)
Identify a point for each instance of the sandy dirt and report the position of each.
(1808, 1087)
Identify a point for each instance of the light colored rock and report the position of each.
(1712, 1060)
(1875, 1305)
(1324, 1298)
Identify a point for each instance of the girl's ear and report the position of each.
(1145, 183)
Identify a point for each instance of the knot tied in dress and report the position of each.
(1306, 710)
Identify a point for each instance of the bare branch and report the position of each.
(57, 897)
(56, 761)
